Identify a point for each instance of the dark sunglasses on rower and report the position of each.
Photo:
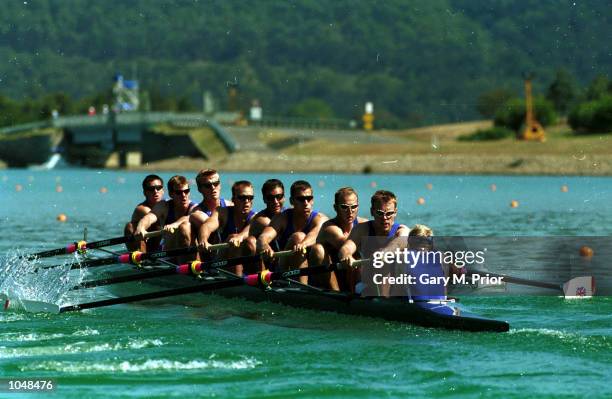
(211, 184)
(272, 197)
(345, 207)
(381, 213)
(245, 197)
(304, 198)
(154, 188)
(185, 191)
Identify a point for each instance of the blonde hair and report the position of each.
(420, 230)
(420, 237)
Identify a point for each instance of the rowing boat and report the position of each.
(295, 294)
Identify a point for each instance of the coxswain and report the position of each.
(153, 190)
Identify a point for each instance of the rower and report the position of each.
(383, 209)
(295, 228)
(153, 190)
(172, 215)
(333, 235)
(209, 185)
(231, 224)
(273, 192)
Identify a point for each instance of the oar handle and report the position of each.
(151, 234)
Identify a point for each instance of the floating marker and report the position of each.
(373, 184)
(18, 187)
(321, 183)
(62, 217)
(493, 187)
(429, 186)
(586, 252)
(103, 190)
(564, 188)
(59, 189)
(514, 204)
(421, 201)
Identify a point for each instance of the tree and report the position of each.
(562, 91)
(490, 102)
(598, 88)
(312, 108)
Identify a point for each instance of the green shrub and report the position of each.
(494, 133)
(592, 117)
(512, 114)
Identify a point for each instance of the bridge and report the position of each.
(94, 139)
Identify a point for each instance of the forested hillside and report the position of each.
(418, 61)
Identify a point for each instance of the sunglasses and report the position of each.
(381, 213)
(211, 184)
(185, 191)
(245, 197)
(154, 188)
(272, 197)
(345, 207)
(304, 198)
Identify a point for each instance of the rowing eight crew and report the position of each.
(314, 238)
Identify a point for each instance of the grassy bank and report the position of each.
(431, 150)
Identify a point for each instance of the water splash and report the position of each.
(22, 278)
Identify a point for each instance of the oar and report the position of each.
(83, 246)
(135, 257)
(193, 268)
(583, 286)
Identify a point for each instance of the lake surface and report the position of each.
(232, 348)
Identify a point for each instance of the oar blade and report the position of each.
(579, 287)
(26, 305)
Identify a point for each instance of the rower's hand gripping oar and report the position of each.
(82, 246)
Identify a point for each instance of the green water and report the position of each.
(233, 348)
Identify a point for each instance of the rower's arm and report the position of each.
(270, 232)
(399, 241)
(147, 220)
(256, 226)
(139, 212)
(209, 226)
(348, 249)
(331, 235)
(197, 218)
(311, 237)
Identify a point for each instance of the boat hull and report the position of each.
(297, 295)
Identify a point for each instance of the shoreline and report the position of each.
(544, 165)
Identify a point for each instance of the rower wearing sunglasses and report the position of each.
(231, 225)
(153, 190)
(383, 209)
(295, 228)
(332, 236)
(209, 185)
(172, 215)
(273, 192)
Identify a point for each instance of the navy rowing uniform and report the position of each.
(230, 227)
(171, 218)
(290, 229)
(222, 204)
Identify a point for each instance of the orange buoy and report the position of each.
(493, 187)
(429, 186)
(62, 217)
(421, 201)
(103, 190)
(586, 252)
(564, 188)
(59, 189)
(514, 204)
(18, 187)
(373, 184)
